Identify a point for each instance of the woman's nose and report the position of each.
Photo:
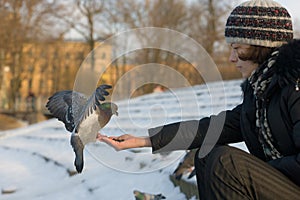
(233, 56)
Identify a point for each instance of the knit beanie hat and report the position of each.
(259, 22)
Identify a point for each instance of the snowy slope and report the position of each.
(37, 161)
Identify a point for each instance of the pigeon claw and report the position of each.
(78, 149)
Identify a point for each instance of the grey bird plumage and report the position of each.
(146, 196)
(82, 116)
(186, 166)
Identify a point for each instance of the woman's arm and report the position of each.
(183, 135)
(223, 128)
(125, 141)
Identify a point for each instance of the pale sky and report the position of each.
(293, 7)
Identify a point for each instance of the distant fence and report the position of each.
(29, 110)
(36, 104)
(28, 117)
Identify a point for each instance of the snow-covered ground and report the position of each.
(36, 162)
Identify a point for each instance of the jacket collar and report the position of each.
(287, 64)
(287, 67)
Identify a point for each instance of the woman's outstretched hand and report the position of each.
(124, 141)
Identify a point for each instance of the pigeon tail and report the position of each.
(78, 149)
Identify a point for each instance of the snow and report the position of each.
(37, 160)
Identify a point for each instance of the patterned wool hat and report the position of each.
(259, 22)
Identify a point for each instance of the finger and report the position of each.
(104, 138)
(100, 136)
(113, 137)
(112, 143)
(124, 137)
(107, 140)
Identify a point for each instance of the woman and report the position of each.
(268, 120)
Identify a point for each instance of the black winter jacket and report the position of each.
(283, 108)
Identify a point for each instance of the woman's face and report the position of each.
(246, 67)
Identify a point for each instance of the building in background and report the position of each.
(44, 68)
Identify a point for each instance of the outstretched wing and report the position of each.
(72, 107)
(93, 102)
(64, 105)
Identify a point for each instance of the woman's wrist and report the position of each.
(145, 142)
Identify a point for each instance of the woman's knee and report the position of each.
(217, 158)
(215, 153)
(206, 168)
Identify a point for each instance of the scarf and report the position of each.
(260, 80)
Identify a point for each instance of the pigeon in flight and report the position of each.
(82, 116)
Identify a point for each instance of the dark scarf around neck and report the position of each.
(260, 79)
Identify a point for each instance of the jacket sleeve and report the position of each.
(290, 165)
(223, 128)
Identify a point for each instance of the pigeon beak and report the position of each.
(116, 113)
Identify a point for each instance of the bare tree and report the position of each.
(83, 17)
(125, 15)
(206, 22)
(23, 21)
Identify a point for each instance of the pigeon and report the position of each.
(193, 173)
(82, 116)
(146, 196)
(186, 166)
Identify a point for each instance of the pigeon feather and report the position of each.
(72, 107)
(82, 116)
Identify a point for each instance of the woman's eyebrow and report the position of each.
(233, 45)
